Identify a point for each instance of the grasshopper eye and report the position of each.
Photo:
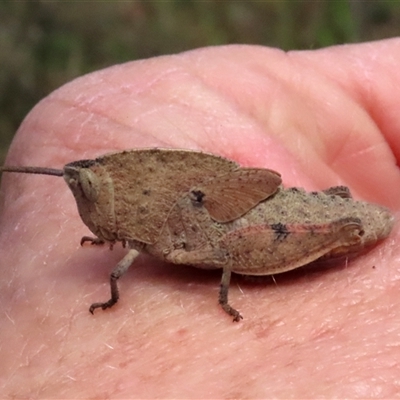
(89, 183)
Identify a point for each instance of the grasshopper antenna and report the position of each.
(33, 170)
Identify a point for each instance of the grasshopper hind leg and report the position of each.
(223, 296)
(209, 256)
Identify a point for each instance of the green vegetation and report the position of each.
(46, 44)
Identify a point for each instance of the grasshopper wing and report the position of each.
(229, 196)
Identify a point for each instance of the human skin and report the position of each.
(320, 118)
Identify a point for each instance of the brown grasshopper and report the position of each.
(194, 208)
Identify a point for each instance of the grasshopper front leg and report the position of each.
(118, 271)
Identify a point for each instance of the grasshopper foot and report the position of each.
(93, 241)
(231, 311)
(103, 306)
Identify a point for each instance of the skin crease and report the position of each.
(320, 118)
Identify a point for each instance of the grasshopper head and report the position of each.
(93, 191)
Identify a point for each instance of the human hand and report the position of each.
(320, 118)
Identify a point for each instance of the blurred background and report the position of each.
(44, 44)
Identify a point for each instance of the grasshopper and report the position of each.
(195, 208)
